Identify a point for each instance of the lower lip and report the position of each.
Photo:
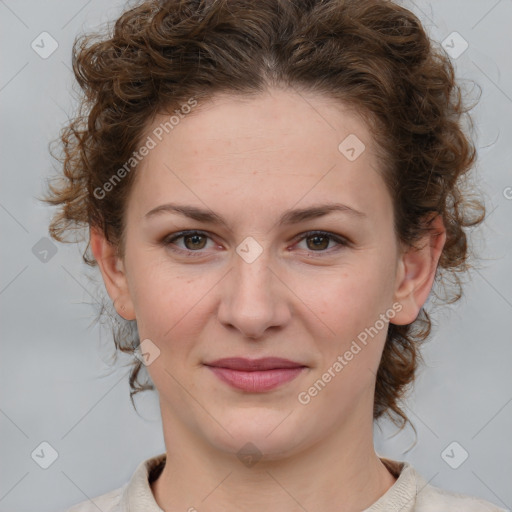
(256, 381)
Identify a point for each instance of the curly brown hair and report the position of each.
(373, 55)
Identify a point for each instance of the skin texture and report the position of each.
(249, 160)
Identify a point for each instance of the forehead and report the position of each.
(278, 148)
(279, 120)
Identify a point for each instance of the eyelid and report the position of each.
(329, 234)
(341, 240)
(167, 241)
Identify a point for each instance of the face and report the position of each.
(255, 280)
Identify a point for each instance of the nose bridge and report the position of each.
(253, 278)
(252, 299)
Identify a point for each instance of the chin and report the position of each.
(260, 432)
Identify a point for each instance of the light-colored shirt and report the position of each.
(410, 493)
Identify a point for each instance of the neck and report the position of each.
(341, 471)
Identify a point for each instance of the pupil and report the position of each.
(316, 238)
(194, 239)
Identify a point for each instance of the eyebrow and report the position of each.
(289, 217)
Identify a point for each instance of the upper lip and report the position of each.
(264, 363)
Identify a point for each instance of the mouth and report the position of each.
(255, 375)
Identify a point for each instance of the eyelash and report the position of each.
(168, 241)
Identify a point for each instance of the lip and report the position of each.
(255, 375)
(263, 363)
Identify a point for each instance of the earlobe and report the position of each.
(113, 273)
(416, 273)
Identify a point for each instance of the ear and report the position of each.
(113, 272)
(416, 273)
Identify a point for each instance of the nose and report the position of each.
(254, 297)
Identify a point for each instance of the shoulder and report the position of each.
(109, 502)
(434, 499)
(412, 493)
(134, 495)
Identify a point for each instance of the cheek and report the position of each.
(160, 289)
(343, 314)
(345, 299)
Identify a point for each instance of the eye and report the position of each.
(318, 241)
(194, 241)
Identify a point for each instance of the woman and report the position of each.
(271, 189)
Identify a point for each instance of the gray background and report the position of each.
(57, 385)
